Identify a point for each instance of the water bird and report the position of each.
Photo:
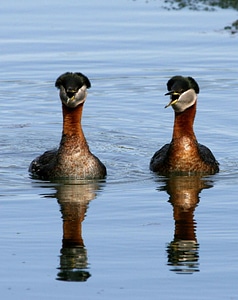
(184, 154)
(73, 159)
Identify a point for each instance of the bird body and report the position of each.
(184, 154)
(73, 159)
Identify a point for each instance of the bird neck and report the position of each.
(72, 120)
(183, 123)
(72, 128)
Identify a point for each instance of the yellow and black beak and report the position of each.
(174, 96)
(70, 95)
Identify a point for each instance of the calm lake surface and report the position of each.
(136, 235)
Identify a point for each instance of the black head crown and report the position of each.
(180, 84)
(72, 81)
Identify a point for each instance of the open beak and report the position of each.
(172, 101)
(70, 99)
(71, 95)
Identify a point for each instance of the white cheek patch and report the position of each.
(81, 94)
(77, 99)
(186, 100)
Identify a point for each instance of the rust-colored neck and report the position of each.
(72, 128)
(183, 123)
(72, 120)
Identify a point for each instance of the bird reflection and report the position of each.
(73, 200)
(183, 251)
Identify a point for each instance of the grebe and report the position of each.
(184, 154)
(73, 159)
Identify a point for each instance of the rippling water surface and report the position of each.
(135, 235)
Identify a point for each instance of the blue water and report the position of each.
(125, 226)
